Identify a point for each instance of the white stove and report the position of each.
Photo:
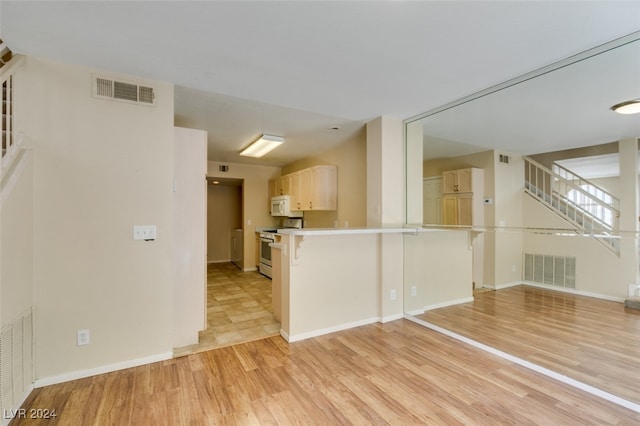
(267, 238)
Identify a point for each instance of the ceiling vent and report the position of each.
(107, 88)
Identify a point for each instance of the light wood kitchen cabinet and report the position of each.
(275, 187)
(314, 188)
(459, 180)
(297, 195)
(324, 188)
(285, 185)
(462, 203)
(458, 209)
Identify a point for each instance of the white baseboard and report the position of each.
(415, 312)
(448, 303)
(323, 331)
(503, 286)
(284, 335)
(573, 291)
(250, 269)
(391, 318)
(219, 261)
(81, 374)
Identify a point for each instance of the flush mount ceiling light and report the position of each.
(628, 107)
(262, 146)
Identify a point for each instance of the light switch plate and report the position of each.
(145, 232)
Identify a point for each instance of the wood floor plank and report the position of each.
(393, 373)
(591, 340)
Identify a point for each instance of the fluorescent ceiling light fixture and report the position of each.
(628, 107)
(263, 145)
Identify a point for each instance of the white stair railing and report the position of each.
(591, 209)
(11, 140)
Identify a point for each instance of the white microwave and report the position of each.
(281, 206)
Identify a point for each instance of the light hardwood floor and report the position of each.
(397, 373)
(239, 309)
(594, 341)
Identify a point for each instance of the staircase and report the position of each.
(590, 209)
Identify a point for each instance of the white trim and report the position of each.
(218, 261)
(10, 175)
(284, 335)
(573, 291)
(448, 303)
(415, 312)
(15, 62)
(531, 366)
(391, 318)
(503, 286)
(250, 269)
(323, 331)
(81, 374)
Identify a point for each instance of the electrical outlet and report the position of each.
(82, 337)
(513, 268)
(393, 294)
(414, 291)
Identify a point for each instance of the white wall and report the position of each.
(385, 172)
(599, 272)
(438, 264)
(100, 167)
(16, 239)
(334, 282)
(190, 235)
(506, 241)
(386, 207)
(16, 213)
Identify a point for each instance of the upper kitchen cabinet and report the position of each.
(314, 188)
(275, 188)
(322, 186)
(456, 181)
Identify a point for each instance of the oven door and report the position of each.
(265, 256)
(265, 251)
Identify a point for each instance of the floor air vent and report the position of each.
(553, 270)
(106, 88)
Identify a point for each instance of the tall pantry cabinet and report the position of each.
(462, 205)
(462, 194)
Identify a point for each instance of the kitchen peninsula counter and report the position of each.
(346, 231)
(332, 279)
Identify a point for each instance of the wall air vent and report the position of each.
(504, 159)
(223, 168)
(106, 88)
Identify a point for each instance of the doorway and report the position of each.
(239, 302)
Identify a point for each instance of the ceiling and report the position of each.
(565, 106)
(298, 69)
